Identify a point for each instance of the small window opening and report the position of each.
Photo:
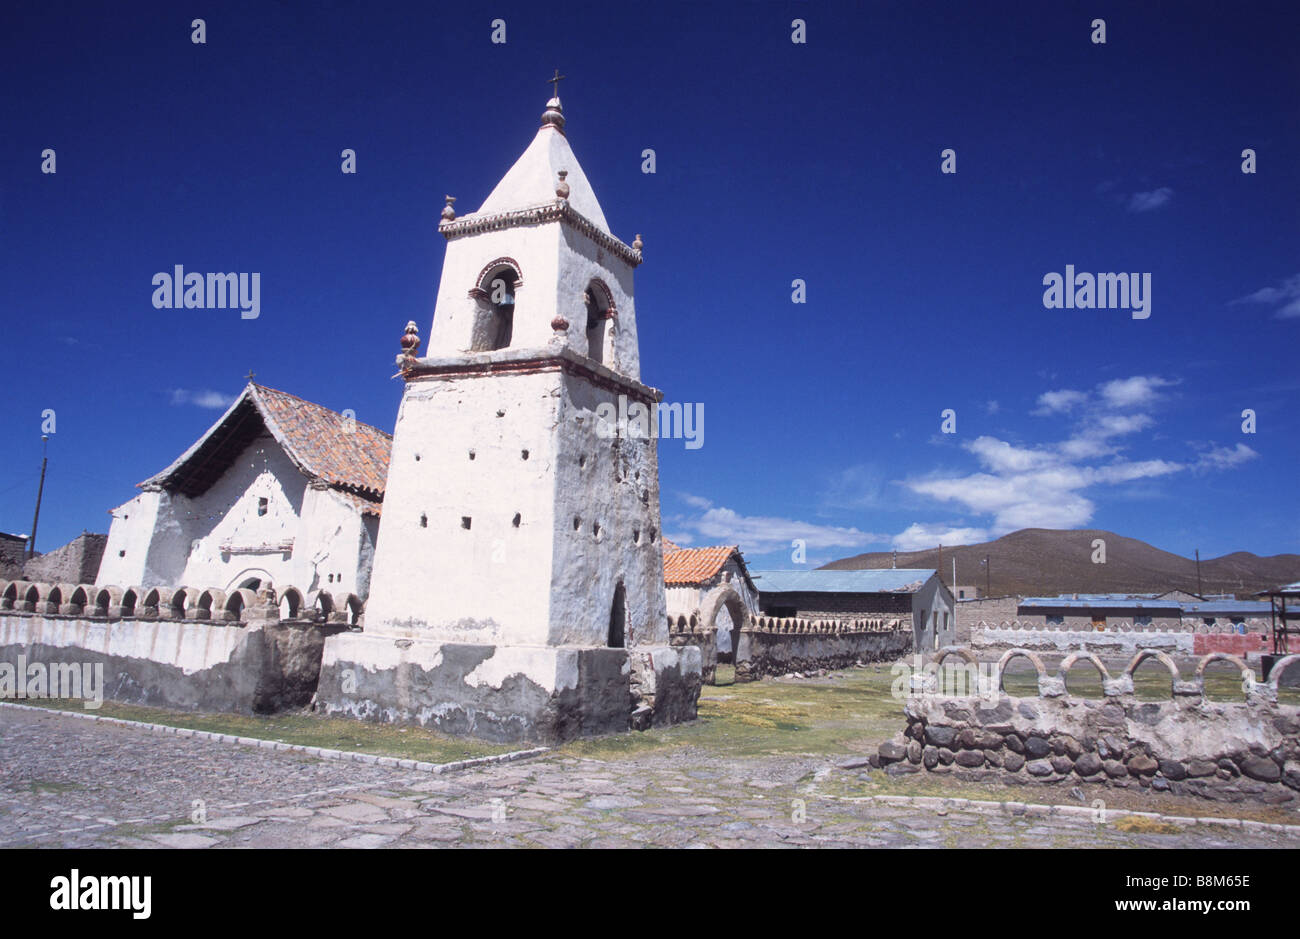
(523, 454)
(262, 505)
(517, 519)
(424, 520)
(465, 522)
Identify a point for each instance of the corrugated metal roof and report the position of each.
(1227, 607)
(888, 580)
(1098, 603)
(1110, 602)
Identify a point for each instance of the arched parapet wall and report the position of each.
(1044, 681)
(104, 600)
(1163, 658)
(350, 607)
(76, 597)
(240, 603)
(292, 603)
(1108, 686)
(1280, 666)
(211, 604)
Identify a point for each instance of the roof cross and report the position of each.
(251, 375)
(555, 83)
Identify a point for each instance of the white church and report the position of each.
(278, 491)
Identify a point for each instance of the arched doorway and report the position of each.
(617, 618)
(725, 612)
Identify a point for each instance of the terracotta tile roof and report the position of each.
(690, 566)
(346, 454)
(360, 503)
(670, 545)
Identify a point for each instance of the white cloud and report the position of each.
(918, 536)
(1146, 201)
(759, 534)
(1286, 295)
(1050, 485)
(213, 400)
(992, 407)
(1059, 402)
(1136, 392)
(1222, 458)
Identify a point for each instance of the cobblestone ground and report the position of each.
(71, 783)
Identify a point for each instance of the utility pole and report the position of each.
(894, 563)
(954, 570)
(988, 577)
(40, 490)
(1199, 591)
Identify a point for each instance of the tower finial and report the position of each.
(553, 116)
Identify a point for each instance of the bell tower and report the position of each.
(517, 589)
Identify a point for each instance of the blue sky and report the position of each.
(775, 161)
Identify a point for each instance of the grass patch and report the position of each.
(38, 786)
(1141, 825)
(306, 729)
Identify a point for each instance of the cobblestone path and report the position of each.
(66, 782)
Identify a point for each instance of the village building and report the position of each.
(1170, 610)
(696, 582)
(890, 593)
(278, 491)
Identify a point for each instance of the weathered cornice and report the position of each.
(557, 211)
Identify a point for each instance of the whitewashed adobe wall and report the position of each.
(931, 598)
(164, 538)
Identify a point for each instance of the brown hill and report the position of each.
(1041, 561)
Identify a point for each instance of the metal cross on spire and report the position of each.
(251, 375)
(555, 83)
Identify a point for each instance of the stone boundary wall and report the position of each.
(1122, 638)
(181, 648)
(1187, 745)
(771, 645)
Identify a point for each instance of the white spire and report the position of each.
(532, 180)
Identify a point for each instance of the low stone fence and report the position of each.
(770, 645)
(182, 648)
(1187, 745)
(1122, 638)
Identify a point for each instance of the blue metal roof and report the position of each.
(1227, 607)
(888, 580)
(1113, 602)
(1098, 603)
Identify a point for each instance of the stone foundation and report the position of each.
(508, 694)
(251, 668)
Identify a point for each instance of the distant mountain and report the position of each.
(1042, 561)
